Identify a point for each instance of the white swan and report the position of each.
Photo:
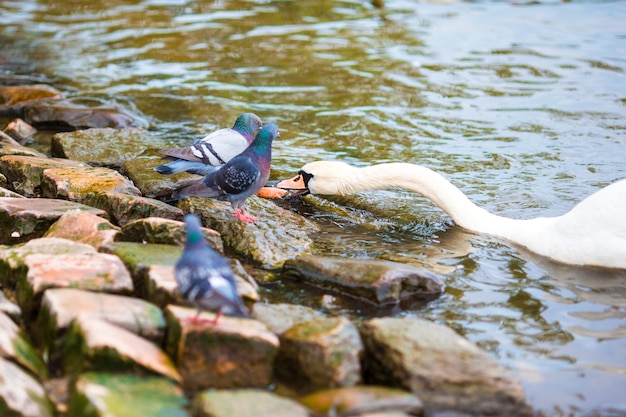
(593, 233)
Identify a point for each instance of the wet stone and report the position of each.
(277, 236)
(59, 306)
(76, 184)
(235, 353)
(379, 282)
(123, 208)
(13, 99)
(164, 231)
(8, 193)
(445, 370)
(81, 113)
(101, 147)
(84, 227)
(325, 352)
(15, 346)
(151, 183)
(93, 271)
(280, 317)
(20, 394)
(362, 400)
(20, 130)
(245, 403)
(9, 308)
(123, 395)
(91, 344)
(23, 219)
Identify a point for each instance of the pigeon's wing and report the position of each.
(215, 149)
(199, 277)
(236, 177)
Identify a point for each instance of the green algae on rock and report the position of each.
(15, 346)
(245, 403)
(20, 394)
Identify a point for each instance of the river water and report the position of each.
(520, 104)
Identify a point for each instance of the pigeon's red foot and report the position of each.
(244, 217)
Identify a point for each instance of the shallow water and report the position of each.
(522, 105)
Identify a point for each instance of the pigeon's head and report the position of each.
(193, 226)
(248, 124)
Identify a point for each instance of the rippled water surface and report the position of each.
(520, 104)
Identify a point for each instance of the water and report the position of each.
(520, 104)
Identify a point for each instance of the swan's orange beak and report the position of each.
(295, 184)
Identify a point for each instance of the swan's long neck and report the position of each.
(439, 190)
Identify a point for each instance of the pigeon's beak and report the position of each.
(296, 185)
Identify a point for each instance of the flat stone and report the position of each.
(164, 231)
(23, 219)
(101, 147)
(76, 184)
(123, 395)
(81, 113)
(123, 208)
(20, 394)
(91, 344)
(9, 308)
(12, 266)
(235, 353)
(24, 173)
(245, 403)
(362, 400)
(8, 193)
(84, 227)
(277, 236)
(13, 99)
(15, 346)
(151, 183)
(445, 370)
(59, 306)
(92, 271)
(281, 317)
(325, 352)
(379, 282)
(20, 130)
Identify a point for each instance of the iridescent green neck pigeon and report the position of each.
(240, 177)
(205, 277)
(214, 150)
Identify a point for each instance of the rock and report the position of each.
(97, 345)
(123, 395)
(445, 370)
(9, 308)
(25, 173)
(84, 227)
(59, 306)
(20, 130)
(137, 256)
(151, 183)
(164, 231)
(101, 147)
(123, 208)
(13, 99)
(81, 113)
(324, 352)
(277, 236)
(362, 400)
(280, 317)
(245, 403)
(11, 147)
(379, 282)
(91, 271)
(12, 266)
(15, 346)
(235, 353)
(20, 394)
(80, 184)
(8, 193)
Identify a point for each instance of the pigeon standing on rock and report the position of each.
(205, 277)
(214, 150)
(240, 177)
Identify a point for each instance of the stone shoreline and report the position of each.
(91, 323)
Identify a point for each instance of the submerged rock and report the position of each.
(277, 236)
(445, 370)
(245, 403)
(235, 353)
(101, 147)
(379, 282)
(117, 395)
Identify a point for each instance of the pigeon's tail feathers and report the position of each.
(196, 189)
(237, 310)
(180, 165)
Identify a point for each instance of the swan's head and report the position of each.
(321, 177)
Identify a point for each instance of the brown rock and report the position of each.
(245, 403)
(79, 184)
(445, 370)
(20, 130)
(84, 227)
(13, 99)
(235, 353)
(280, 317)
(123, 208)
(324, 351)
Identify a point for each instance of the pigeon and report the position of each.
(205, 277)
(214, 150)
(240, 177)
